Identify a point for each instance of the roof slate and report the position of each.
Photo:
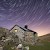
(22, 28)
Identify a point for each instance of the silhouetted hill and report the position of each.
(3, 31)
(45, 37)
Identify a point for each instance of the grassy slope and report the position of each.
(45, 40)
(45, 37)
(46, 46)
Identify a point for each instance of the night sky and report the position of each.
(34, 13)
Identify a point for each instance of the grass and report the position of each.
(8, 46)
(46, 46)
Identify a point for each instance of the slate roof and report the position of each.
(23, 29)
(18, 26)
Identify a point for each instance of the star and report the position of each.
(34, 13)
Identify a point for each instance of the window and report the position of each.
(16, 30)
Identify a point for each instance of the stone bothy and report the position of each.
(25, 35)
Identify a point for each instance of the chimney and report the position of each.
(34, 33)
(26, 26)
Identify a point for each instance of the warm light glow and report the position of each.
(16, 30)
(41, 30)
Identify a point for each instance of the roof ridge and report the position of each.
(18, 26)
(21, 28)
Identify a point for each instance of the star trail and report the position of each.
(34, 13)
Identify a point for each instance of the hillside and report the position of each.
(44, 43)
(13, 41)
(45, 37)
(3, 31)
(7, 39)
